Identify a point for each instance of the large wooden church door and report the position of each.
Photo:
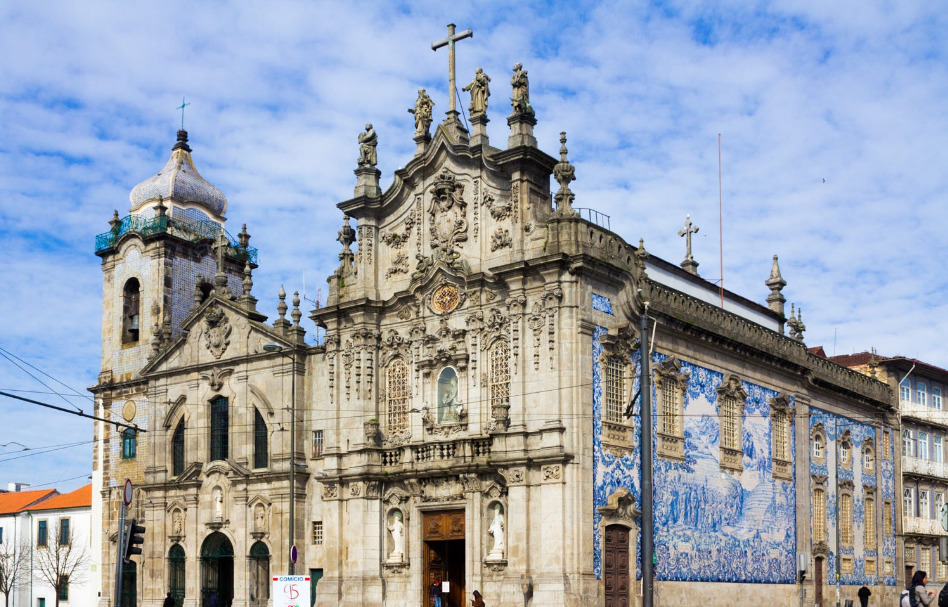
(615, 570)
(444, 555)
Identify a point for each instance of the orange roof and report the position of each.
(853, 360)
(80, 498)
(17, 501)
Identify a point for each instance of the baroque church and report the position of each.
(471, 420)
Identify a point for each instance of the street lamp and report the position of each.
(275, 347)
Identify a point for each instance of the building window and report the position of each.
(671, 381)
(41, 539)
(62, 592)
(886, 444)
(925, 559)
(614, 392)
(868, 459)
(396, 405)
(936, 398)
(905, 392)
(941, 570)
(819, 515)
(923, 509)
(908, 443)
(887, 518)
(846, 565)
(870, 518)
(1, 535)
(260, 447)
(177, 449)
(730, 423)
(908, 502)
(845, 449)
(317, 443)
(846, 519)
(176, 570)
(938, 449)
(220, 428)
(64, 533)
(921, 394)
(819, 446)
(317, 532)
(499, 386)
(923, 445)
(870, 567)
(131, 306)
(129, 443)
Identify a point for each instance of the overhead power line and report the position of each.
(79, 413)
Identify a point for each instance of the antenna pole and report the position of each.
(720, 221)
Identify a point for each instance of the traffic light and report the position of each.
(135, 536)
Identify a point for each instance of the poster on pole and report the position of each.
(291, 591)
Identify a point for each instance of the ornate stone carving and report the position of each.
(500, 239)
(513, 476)
(368, 142)
(620, 506)
(535, 322)
(551, 473)
(215, 378)
(355, 489)
(499, 210)
(445, 298)
(496, 531)
(422, 113)
(398, 265)
(330, 491)
(217, 330)
(480, 91)
(444, 489)
(447, 214)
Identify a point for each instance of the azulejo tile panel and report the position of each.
(710, 525)
(601, 303)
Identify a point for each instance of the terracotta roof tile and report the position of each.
(17, 501)
(853, 360)
(80, 498)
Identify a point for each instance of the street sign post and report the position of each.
(290, 590)
(127, 493)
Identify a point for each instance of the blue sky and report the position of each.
(832, 120)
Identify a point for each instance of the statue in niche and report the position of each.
(177, 525)
(520, 96)
(368, 142)
(218, 497)
(260, 518)
(448, 408)
(422, 112)
(496, 529)
(397, 529)
(480, 91)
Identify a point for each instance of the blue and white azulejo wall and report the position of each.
(710, 525)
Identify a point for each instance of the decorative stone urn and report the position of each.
(372, 431)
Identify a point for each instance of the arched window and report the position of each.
(499, 384)
(819, 446)
(220, 428)
(131, 311)
(176, 573)
(868, 459)
(260, 454)
(396, 406)
(259, 574)
(177, 449)
(921, 394)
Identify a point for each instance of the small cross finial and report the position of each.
(449, 42)
(181, 107)
(689, 264)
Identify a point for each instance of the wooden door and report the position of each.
(615, 561)
(444, 555)
(818, 581)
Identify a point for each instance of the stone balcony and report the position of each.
(922, 413)
(924, 467)
(912, 525)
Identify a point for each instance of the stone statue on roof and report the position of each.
(520, 95)
(422, 112)
(480, 91)
(368, 141)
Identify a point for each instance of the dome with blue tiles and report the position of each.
(180, 182)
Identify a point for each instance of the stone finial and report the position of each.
(368, 142)
(182, 143)
(155, 330)
(776, 283)
(346, 235)
(244, 237)
(281, 307)
(198, 294)
(689, 264)
(160, 209)
(220, 279)
(796, 323)
(564, 173)
(296, 313)
(249, 301)
(873, 364)
(115, 222)
(480, 91)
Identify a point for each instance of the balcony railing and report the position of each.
(923, 413)
(453, 452)
(922, 526)
(594, 216)
(916, 465)
(182, 227)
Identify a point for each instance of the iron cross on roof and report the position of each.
(449, 42)
(181, 107)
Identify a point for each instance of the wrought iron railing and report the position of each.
(593, 216)
(183, 227)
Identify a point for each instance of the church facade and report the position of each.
(471, 420)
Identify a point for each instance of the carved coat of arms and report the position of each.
(447, 213)
(217, 331)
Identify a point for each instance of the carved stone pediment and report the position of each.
(732, 387)
(782, 402)
(217, 330)
(190, 474)
(620, 506)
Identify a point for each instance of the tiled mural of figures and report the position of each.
(880, 480)
(710, 524)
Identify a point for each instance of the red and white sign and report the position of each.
(127, 495)
(290, 591)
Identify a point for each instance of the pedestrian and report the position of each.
(863, 595)
(919, 591)
(478, 600)
(169, 601)
(436, 593)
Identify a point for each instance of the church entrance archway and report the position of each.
(444, 555)
(615, 566)
(217, 570)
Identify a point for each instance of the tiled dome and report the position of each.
(179, 181)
